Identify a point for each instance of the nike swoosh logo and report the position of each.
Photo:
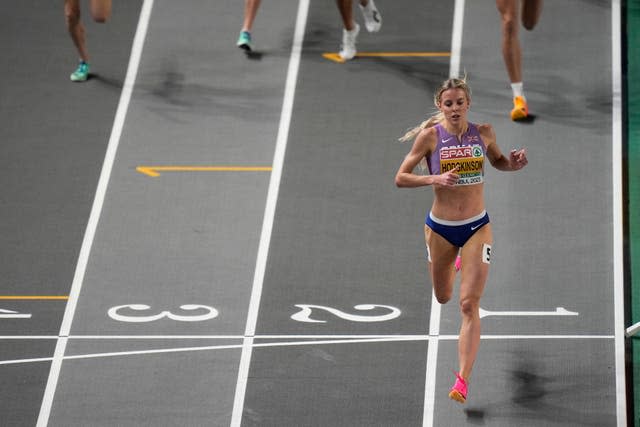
(477, 226)
(448, 139)
(375, 16)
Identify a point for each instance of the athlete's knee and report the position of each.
(443, 299)
(509, 27)
(72, 15)
(469, 306)
(100, 18)
(528, 24)
(443, 295)
(101, 11)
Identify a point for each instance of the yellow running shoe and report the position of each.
(520, 109)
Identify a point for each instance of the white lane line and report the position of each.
(456, 39)
(154, 337)
(23, 361)
(432, 362)
(618, 212)
(269, 213)
(434, 321)
(327, 340)
(264, 337)
(293, 337)
(538, 337)
(29, 337)
(208, 348)
(96, 209)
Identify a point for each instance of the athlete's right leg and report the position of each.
(442, 257)
(371, 15)
(75, 27)
(510, 43)
(77, 33)
(350, 32)
(250, 12)
(512, 56)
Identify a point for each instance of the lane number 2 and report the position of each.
(304, 315)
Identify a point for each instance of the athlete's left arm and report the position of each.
(517, 158)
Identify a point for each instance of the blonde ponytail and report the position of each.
(431, 121)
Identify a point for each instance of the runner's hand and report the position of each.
(518, 159)
(449, 178)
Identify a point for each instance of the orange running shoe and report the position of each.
(459, 390)
(520, 109)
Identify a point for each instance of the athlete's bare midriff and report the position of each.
(458, 203)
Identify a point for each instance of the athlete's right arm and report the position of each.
(423, 146)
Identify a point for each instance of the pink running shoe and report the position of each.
(458, 263)
(459, 390)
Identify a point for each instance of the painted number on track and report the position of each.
(10, 314)
(304, 315)
(209, 313)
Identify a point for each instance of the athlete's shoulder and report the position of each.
(484, 127)
(428, 134)
(426, 141)
(486, 130)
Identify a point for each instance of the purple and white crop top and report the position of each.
(468, 154)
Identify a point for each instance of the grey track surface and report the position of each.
(53, 138)
(343, 235)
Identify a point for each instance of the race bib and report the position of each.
(469, 159)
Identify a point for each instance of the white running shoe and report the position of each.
(372, 17)
(348, 48)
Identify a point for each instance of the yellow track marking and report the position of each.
(32, 297)
(154, 171)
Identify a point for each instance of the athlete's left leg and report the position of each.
(345, 7)
(475, 270)
(531, 10)
(100, 10)
(75, 27)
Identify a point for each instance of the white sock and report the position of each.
(517, 89)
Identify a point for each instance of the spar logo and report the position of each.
(448, 153)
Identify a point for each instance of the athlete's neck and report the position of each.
(457, 129)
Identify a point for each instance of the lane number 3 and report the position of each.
(207, 313)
